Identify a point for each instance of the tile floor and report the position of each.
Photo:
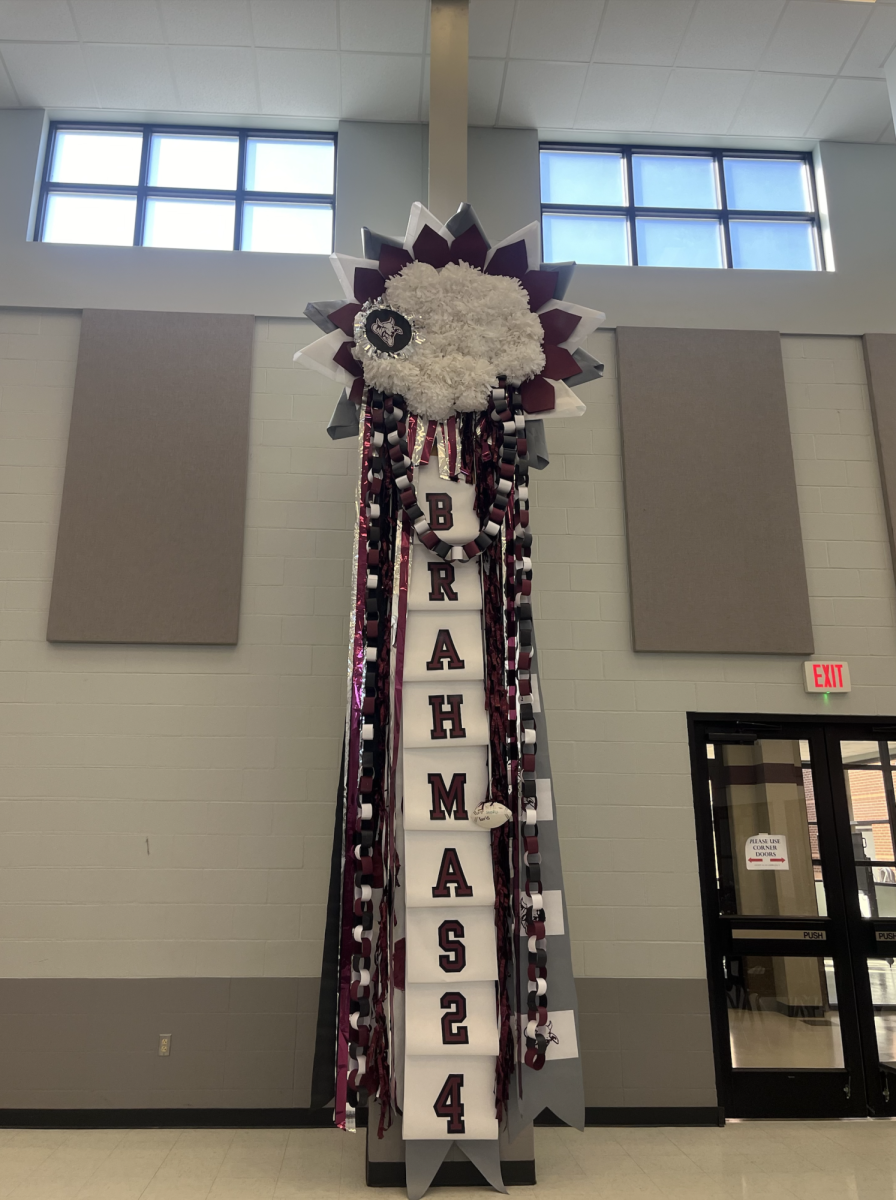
(768, 1160)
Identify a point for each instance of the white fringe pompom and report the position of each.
(475, 327)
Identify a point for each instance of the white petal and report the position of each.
(319, 357)
(344, 266)
(566, 402)
(590, 321)
(419, 217)
(531, 235)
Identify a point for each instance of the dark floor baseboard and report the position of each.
(302, 1118)
(515, 1172)
(171, 1118)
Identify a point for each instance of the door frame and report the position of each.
(860, 1081)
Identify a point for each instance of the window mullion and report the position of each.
(140, 214)
(630, 196)
(723, 200)
(240, 192)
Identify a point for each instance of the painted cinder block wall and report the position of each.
(166, 813)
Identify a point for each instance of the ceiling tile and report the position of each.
(486, 78)
(30, 21)
(815, 36)
(729, 33)
(780, 105)
(490, 22)
(888, 137)
(543, 94)
(391, 26)
(618, 98)
(8, 98)
(118, 20)
(301, 83)
(215, 78)
(563, 30)
(875, 42)
(642, 31)
(855, 110)
(381, 87)
(131, 76)
(48, 76)
(304, 24)
(697, 101)
(207, 22)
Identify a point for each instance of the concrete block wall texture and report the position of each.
(168, 811)
(166, 814)
(617, 720)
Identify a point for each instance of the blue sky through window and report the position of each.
(683, 208)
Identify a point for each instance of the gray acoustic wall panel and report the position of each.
(150, 545)
(714, 543)
(880, 365)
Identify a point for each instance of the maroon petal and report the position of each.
(356, 395)
(557, 324)
(537, 395)
(541, 286)
(343, 358)
(510, 260)
(559, 363)
(430, 247)
(470, 247)
(344, 318)
(368, 284)
(392, 260)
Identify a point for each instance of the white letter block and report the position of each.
(422, 798)
(450, 948)
(445, 640)
(462, 1089)
(460, 723)
(459, 513)
(439, 586)
(436, 1011)
(444, 869)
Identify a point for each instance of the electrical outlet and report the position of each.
(164, 1044)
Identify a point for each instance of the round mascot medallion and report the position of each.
(382, 331)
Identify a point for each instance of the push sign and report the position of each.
(826, 676)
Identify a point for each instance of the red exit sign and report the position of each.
(826, 676)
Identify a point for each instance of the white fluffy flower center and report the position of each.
(475, 327)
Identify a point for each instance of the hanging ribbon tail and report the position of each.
(422, 1160)
(486, 1158)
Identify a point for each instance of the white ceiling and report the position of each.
(768, 69)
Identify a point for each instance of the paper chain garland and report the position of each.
(489, 448)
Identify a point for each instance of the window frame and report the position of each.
(143, 191)
(724, 215)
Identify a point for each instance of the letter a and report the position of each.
(446, 714)
(445, 799)
(445, 649)
(451, 874)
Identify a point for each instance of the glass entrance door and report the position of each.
(785, 1003)
(862, 761)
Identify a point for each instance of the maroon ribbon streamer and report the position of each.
(352, 769)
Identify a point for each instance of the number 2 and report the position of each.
(456, 1004)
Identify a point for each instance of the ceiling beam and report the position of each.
(449, 56)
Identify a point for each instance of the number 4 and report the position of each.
(450, 1105)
